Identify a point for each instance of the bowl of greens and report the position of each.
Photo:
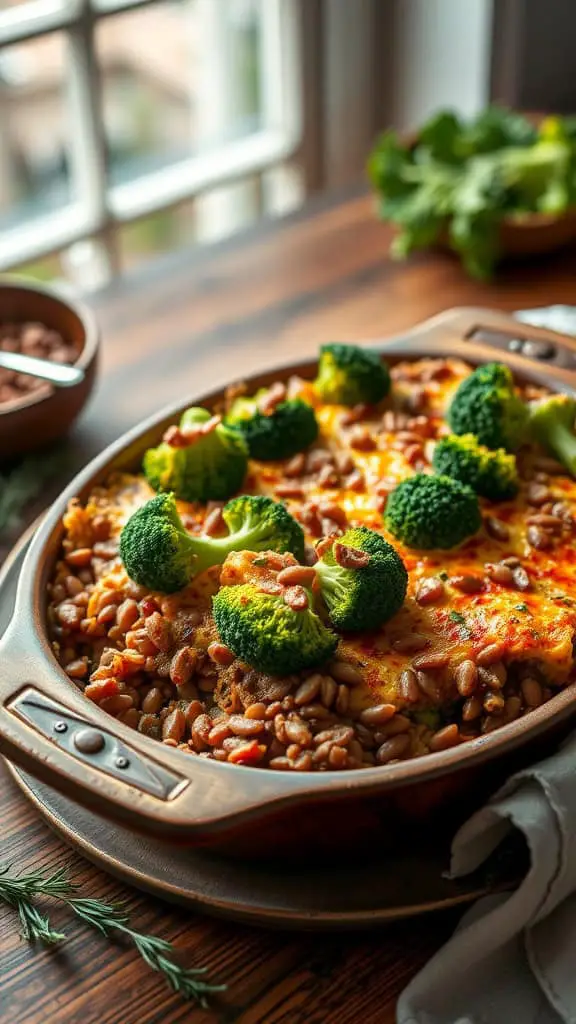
(500, 185)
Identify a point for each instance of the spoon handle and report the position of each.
(61, 375)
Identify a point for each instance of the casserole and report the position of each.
(52, 730)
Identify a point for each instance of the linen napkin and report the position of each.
(512, 959)
(557, 318)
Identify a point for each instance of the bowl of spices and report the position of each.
(48, 358)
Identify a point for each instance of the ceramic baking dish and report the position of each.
(51, 730)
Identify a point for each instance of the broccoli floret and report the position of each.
(287, 429)
(257, 523)
(262, 630)
(364, 595)
(432, 512)
(493, 474)
(349, 375)
(486, 405)
(552, 424)
(158, 553)
(156, 550)
(211, 466)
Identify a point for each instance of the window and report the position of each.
(130, 120)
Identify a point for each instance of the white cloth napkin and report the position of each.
(512, 959)
(557, 318)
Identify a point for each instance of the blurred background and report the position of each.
(130, 128)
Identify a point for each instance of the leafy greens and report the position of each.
(457, 180)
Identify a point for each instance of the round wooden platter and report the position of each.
(329, 897)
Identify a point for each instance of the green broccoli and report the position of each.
(432, 512)
(486, 405)
(211, 467)
(158, 553)
(552, 424)
(493, 474)
(257, 523)
(369, 588)
(349, 375)
(262, 630)
(289, 428)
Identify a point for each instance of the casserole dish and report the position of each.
(51, 730)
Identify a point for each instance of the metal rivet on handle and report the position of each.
(122, 762)
(88, 741)
(60, 727)
(535, 348)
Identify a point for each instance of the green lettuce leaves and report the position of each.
(457, 180)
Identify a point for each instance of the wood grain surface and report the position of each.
(192, 320)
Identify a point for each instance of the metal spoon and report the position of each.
(57, 373)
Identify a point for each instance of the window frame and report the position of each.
(99, 208)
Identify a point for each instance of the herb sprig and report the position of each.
(457, 180)
(20, 891)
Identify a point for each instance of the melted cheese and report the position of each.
(537, 625)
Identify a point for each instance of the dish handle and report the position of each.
(487, 334)
(106, 766)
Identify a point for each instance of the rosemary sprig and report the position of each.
(19, 891)
(36, 925)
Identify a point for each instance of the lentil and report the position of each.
(153, 701)
(408, 687)
(430, 590)
(220, 654)
(537, 493)
(489, 654)
(496, 528)
(466, 677)
(308, 690)
(537, 538)
(393, 749)
(430, 686)
(328, 691)
(467, 584)
(344, 672)
(378, 714)
(531, 691)
(500, 573)
(445, 738)
(431, 660)
(410, 643)
(521, 578)
(472, 709)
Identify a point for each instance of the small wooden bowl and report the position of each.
(38, 419)
(527, 235)
(533, 234)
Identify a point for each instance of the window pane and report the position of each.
(6, 4)
(152, 236)
(34, 175)
(178, 78)
(48, 269)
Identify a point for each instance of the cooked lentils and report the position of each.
(158, 666)
(30, 339)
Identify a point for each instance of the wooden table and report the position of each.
(193, 320)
